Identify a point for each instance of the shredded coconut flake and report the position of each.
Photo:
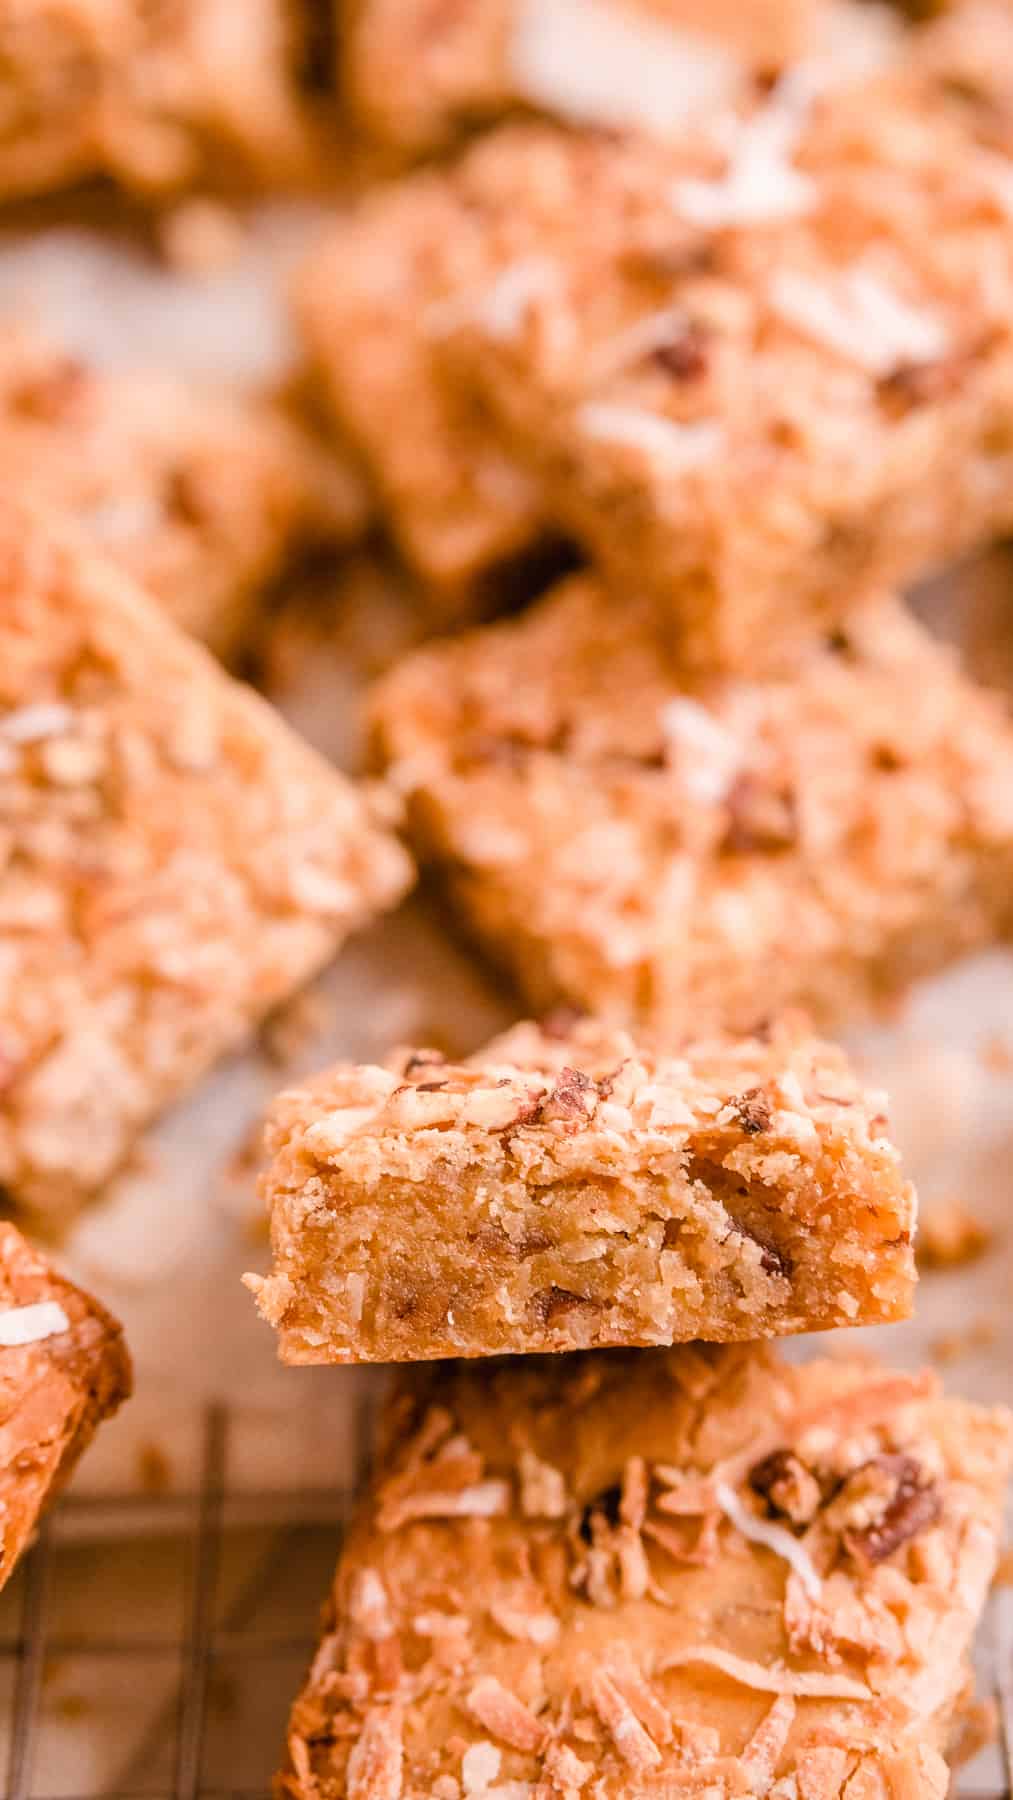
(708, 754)
(506, 1717)
(30, 1324)
(601, 63)
(774, 1537)
(503, 307)
(772, 1678)
(33, 724)
(760, 183)
(856, 315)
(681, 447)
(480, 1766)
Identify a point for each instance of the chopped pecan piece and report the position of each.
(787, 1486)
(554, 1303)
(913, 384)
(573, 1098)
(754, 1111)
(686, 357)
(913, 1507)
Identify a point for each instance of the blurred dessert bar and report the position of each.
(368, 300)
(155, 97)
(774, 370)
(416, 77)
(757, 369)
(204, 493)
(63, 1369)
(569, 1188)
(686, 857)
(695, 1572)
(175, 863)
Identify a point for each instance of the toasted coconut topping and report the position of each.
(30, 1324)
(564, 1770)
(634, 1568)
(33, 724)
(440, 1624)
(368, 1605)
(856, 315)
(599, 62)
(506, 1717)
(774, 1537)
(543, 1489)
(773, 1678)
(704, 1549)
(482, 1500)
(707, 755)
(822, 1769)
(633, 1743)
(505, 305)
(526, 1624)
(375, 1761)
(679, 447)
(761, 182)
(480, 1766)
(633, 1504)
(653, 1716)
(763, 1751)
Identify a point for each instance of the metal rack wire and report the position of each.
(257, 1624)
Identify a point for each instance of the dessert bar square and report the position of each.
(201, 491)
(773, 372)
(63, 1369)
(175, 862)
(569, 1188)
(154, 97)
(672, 1572)
(689, 856)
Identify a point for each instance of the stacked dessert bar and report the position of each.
(690, 1566)
(716, 313)
(713, 787)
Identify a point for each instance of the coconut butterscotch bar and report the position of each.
(689, 1572)
(63, 1369)
(156, 98)
(175, 863)
(571, 1188)
(685, 857)
(773, 371)
(202, 492)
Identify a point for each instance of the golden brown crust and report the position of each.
(689, 856)
(692, 1572)
(71, 1371)
(175, 862)
(574, 1188)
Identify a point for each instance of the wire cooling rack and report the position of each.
(150, 1646)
